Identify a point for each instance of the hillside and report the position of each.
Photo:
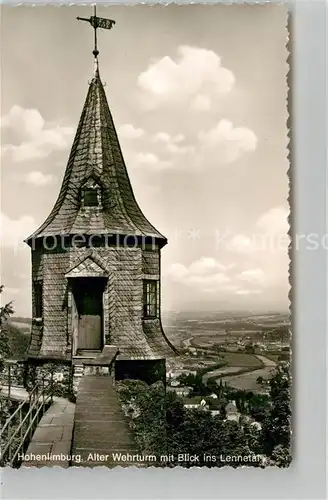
(18, 338)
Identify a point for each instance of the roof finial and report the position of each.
(95, 50)
(97, 22)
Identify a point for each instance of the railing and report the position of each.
(20, 426)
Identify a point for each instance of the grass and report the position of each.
(232, 363)
(232, 375)
(247, 381)
(211, 368)
(242, 359)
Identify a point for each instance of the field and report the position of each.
(247, 381)
(209, 328)
(235, 363)
(209, 337)
(240, 359)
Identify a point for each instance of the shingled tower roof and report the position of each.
(96, 157)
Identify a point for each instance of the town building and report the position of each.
(180, 391)
(195, 402)
(232, 412)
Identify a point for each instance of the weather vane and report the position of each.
(97, 22)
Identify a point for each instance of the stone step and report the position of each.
(100, 425)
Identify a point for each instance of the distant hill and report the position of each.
(22, 324)
(20, 319)
(18, 337)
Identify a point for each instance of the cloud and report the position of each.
(166, 138)
(37, 178)
(264, 252)
(30, 136)
(193, 71)
(229, 142)
(274, 221)
(201, 102)
(209, 276)
(206, 274)
(14, 231)
(240, 244)
(179, 150)
(128, 131)
(207, 264)
(147, 160)
(172, 143)
(248, 292)
(270, 234)
(162, 137)
(217, 146)
(252, 275)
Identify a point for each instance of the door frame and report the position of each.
(73, 318)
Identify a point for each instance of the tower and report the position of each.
(96, 258)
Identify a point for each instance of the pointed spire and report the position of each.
(96, 154)
(96, 157)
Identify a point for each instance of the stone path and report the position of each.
(52, 437)
(100, 427)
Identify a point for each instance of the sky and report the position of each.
(198, 96)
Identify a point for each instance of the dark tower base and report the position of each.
(147, 370)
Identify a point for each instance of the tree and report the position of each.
(280, 456)
(258, 407)
(276, 426)
(196, 382)
(284, 356)
(5, 312)
(145, 406)
(249, 348)
(252, 435)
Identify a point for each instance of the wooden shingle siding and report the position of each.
(127, 332)
(54, 303)
(156, 338)
(150, 262)
(37, 264)
(122, 301)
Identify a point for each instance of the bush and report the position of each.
(163, 426)
(145, 407)
(61, 375)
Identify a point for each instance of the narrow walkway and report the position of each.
(16, 393)
(51, 442)
(100, 427)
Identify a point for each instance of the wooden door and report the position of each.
(89, 307)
